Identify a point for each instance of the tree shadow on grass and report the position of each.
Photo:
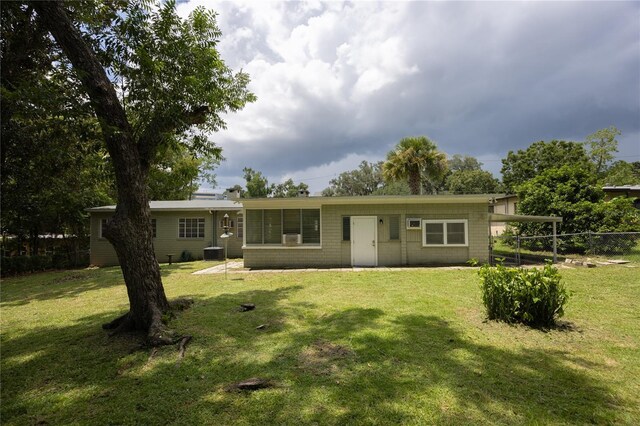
(57, 285)
(49, 285)
(378, 369)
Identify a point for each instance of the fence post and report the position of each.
(517, 250)
(591, 248)
(555, 244)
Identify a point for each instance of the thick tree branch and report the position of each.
(92, 74)
(161, 125)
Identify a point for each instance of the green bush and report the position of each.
(21, 264)
(186, 256)
(60, 261)
(7, 267)
(40, 263)
(534, 297)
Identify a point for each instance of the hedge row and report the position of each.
(26, 264)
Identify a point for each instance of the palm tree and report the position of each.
(415, 158)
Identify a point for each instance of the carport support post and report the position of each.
(555, 244)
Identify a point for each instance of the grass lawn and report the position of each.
(342, 348)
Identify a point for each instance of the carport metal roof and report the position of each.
(499, 217)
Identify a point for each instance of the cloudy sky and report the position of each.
(342, 82)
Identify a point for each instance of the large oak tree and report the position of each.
(153, 79)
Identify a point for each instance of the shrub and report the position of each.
(186, 256)
(60, 261)
(40, 263)
(7, 266)
(534, 297)
(21, 264)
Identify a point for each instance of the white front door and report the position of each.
(364, 241)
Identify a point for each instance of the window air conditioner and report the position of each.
(414, 223)
(291, 239)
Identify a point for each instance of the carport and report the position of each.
(499, 217)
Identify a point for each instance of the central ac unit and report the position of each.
(291, 239)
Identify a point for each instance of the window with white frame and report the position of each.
(191, 227)
(240, 230)
(450, 232)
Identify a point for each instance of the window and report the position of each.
(311, 226)
(254, 227)
(394, 227)
(346, 228)
(240, 230)
(272, 226)
(267, 226)
(154, 227)
(291, 221)
(191, 227)
(103, 226)
(444, 233)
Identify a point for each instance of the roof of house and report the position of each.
(182, 205)
(621, 188)
(301, 202)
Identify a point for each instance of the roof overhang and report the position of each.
(160, 206)
(314, 202)
(498, 217)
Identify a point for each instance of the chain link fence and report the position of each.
(521, 250)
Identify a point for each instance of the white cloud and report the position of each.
(339, 82)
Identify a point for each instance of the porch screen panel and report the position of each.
(272, 226)
(291, 221)
(254, 226)
(310, 226)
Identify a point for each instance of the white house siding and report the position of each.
(407, 251)
(166, 241)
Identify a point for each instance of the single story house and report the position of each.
(178, 226)
(365, 231)
(629, 191)
(322, 231)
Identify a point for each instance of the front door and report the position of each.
(364, 241)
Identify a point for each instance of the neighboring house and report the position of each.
(631, 191)
(506, 204)
(177, 226)
(365, 231)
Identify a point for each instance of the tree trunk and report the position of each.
(414, 183)
(130, 230)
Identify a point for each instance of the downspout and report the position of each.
(214, 218)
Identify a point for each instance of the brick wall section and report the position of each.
(167, 241)
(408, 251)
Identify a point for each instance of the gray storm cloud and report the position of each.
(341, 82)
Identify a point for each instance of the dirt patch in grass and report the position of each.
(322, 357)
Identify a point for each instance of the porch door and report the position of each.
(364, 241)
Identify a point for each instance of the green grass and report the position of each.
(407, 347)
